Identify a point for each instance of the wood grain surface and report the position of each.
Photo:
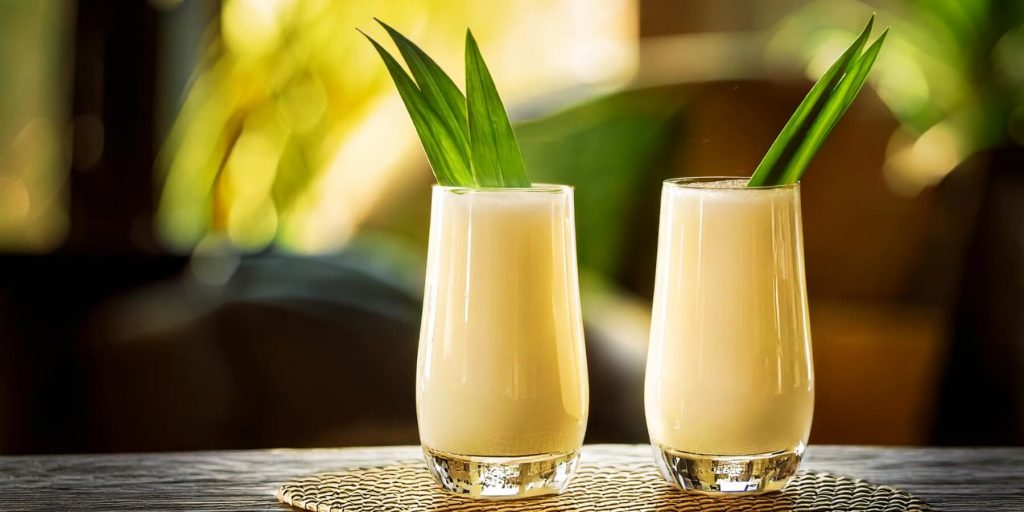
(953, 479)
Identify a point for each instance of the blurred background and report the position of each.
(213, 215)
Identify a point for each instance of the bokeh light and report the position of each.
(291, 132)
(34, 126)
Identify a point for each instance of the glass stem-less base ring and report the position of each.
(502, 477)
(725, 475)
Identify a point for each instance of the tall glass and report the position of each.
(502, 393)
(730, 385)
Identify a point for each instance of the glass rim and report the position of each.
(692, 181)
(536, 188)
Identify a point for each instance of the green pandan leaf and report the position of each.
(791, 152)
(441, 147)
(440, 92)
(468, 139)
(833, 110)
(497, 161)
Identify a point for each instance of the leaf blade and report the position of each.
(440, 92)
(437, 143)
(788, 139)
(846, 91)
(497, 160)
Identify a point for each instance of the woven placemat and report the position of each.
(619, 486)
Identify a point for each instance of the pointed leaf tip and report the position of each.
(841, 99)
(772, 167)
(468, 138)
(790, 154)
(437, 143)
(441, 94)
(497, 160)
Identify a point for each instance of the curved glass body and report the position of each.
(729, 386)
(502, 375)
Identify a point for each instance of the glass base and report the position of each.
(502, 478)
(728, 474)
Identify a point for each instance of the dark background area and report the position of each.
(110, 341)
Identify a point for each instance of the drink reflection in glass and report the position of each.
(729, 386)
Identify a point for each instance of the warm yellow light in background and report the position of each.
(252, 28)
(362, 167)
(916, 163)
(33, 126)
(292, 132)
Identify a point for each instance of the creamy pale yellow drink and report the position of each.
(729, 384)
(502, 370)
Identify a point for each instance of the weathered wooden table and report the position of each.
(957, 479)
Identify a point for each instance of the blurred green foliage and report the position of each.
(952, 73)
(610, 149)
